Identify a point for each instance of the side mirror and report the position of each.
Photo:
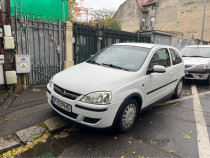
(159, 69)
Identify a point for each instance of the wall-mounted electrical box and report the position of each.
(23, 63)
(9, 43)
(7, 30)
(1, 70)
(1, 32)
(1, 59)
(11, 77)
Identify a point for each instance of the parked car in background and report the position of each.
(115, 84)
(197, 62)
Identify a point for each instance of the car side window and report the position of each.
(176, 59)
(161, 57)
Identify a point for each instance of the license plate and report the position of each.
(61, 104)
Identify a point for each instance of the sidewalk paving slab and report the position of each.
(29, 134)
(56, 123)
(7, 143)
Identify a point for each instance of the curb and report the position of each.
(29, 134)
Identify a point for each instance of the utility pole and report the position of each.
(204, 16)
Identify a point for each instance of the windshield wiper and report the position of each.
(93, 62)
(195, 56)
(114, 66)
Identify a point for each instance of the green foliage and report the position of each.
(111, 23)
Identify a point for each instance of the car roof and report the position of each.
(200, 46)
(145, 45)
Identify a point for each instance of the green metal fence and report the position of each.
(89, 40)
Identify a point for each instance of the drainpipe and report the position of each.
(204, 16)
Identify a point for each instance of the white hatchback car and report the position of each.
(115, 84)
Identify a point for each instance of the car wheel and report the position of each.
(178, 90)
(127, 115)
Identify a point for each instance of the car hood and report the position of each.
(85, 78)
(194, 61)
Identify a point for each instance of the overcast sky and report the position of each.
(100, 4)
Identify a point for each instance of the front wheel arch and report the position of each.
(135, 96)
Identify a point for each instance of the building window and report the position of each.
(152, 21)
(143, 22)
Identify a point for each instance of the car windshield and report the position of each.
(203, 52)
(121, 57)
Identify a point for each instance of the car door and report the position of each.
(157, 84)
(177, 67)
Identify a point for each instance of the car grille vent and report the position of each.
(66, 93)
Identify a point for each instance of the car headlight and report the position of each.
(201, 67)
(97, 98)
(51, 82)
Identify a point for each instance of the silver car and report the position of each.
(197, 62)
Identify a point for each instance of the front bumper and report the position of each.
(197, 74)
(97, 116)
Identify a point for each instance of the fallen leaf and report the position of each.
(129, 142)
(140, 119)
(188, 93)
(175, 104)
(190, 131)
(134, 152)
(115, 138)
(171, 151)
(202, 95)
(187, 136)
(150, 122)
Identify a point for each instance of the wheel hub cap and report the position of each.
(129, 115)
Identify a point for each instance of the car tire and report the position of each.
(178, 90)
(127, 115)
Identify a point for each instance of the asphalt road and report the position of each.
(179, 129)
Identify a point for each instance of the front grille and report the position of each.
(70, 114)
(66, 93)
(189, 76)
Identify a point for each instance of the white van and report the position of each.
(115, 84)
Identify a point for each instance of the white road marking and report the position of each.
(181, 99)
(202, 133)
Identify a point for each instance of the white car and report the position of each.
(115, 84)
(197, 62)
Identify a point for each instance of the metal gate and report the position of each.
(89, 40)
(44, 41)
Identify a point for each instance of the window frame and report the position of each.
(150, 71)
(176, 54)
